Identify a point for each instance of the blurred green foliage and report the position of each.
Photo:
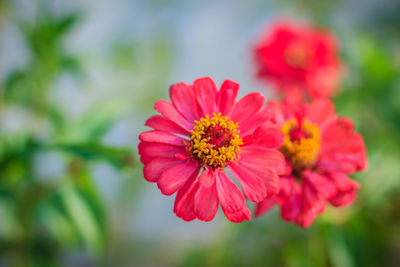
(42, 217)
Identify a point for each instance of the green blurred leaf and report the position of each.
(119, 157)
(83, 218)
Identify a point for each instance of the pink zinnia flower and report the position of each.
(299, 59)
(321, 150)
(206, 129)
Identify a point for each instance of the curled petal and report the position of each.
(238, 216)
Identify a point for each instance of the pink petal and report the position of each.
(161, 137)
(343, 199)
(306, 218)
(206, 199)
(292, 207)
(184, 100)
(148, 151)
(173, 178)
(321, 183)
(162, 124)
(342, 150)
(261, 159)
(206, 92)
(184, 201)
(239, 216)
(169, 112)
(253, 185)
(346, 188)
(229, 195)
(207, 178)
(226, 96)
(249, 125)
(246, 107)
(155, 167)
(265, 206)
(287, 186)
(321, 112)
(268, 137)
(312, 198)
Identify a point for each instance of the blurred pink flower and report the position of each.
(299, 59)
(321, 150)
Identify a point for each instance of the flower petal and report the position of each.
(261, 159)
(155, 167)
(226, 96)
(249, 125)
(148, 151)
(173, 178)
(160, 123)
(312, 198)
(253, 185)
(184, 100)
(292, 207)
(206, 199)
(247, 106)
(206, 92)
(265, 205)
(320, 111)
(184, 201)
(161, 137)
(238, 216)
(168, 111)
(305, 218)
(342, 149)
(346, 189)
(266, 136)
(229, 195)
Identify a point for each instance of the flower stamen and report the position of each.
(301, 144)
(215, 141)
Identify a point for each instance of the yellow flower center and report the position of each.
(215, 141)
(297, 55)
(301, 144)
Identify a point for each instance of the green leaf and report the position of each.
(83, 218)
(119, 157)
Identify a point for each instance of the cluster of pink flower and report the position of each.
(296, 153)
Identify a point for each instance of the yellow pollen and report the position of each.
(303, 152)
(215, 141)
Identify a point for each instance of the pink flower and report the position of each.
(299, 60)
(321, 150)
(206, 129)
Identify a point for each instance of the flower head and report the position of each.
(321, 150)
(298, 59)
(203, 134)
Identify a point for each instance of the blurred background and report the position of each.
(79, 79)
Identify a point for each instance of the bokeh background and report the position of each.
(78, 80)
